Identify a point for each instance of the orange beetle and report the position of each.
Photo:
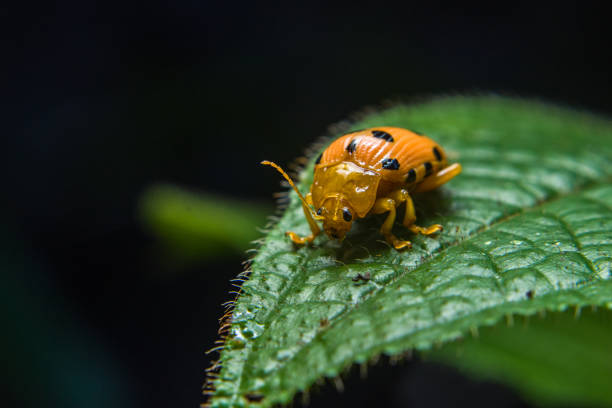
(372, 171)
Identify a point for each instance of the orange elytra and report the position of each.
(372, 171)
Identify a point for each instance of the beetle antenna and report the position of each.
(286, 176)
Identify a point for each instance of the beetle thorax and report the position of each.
(342, 193)
(346, 182)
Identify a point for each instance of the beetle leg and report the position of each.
(314, 227)
(383, 205)
(441, 177)
(410, 217)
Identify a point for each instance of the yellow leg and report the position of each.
(402, 195)
(383, 205)
(410, 218)
(441, 177)
(314, 227)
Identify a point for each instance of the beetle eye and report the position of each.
(346, 214)
(320, 211)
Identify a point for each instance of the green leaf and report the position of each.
(199, 226)
(560, 359)
(528, 227)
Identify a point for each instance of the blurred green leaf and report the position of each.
(528, 227)
(563, 359)
(194, 226)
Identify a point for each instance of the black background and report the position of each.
(101, 100)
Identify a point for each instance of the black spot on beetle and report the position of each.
(346, 214)
(379, 134)
(437, 154)
(352, 146)
(319, 159)
(411, 176)
(320, 211)
(390, 164)
(428, 168)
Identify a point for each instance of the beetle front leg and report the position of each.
(314, 227)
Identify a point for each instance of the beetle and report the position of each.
(372, 171)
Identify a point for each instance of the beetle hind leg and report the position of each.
(383, 205)
(410, 218)
(443, 176)
(403, 195)
(432, 229)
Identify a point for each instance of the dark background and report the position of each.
(102, 100)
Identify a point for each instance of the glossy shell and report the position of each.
(398, 155)
(363, 165)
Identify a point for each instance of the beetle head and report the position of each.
(337, 216)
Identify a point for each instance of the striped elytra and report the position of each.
(399, 155)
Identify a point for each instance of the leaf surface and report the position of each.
(528, 227)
